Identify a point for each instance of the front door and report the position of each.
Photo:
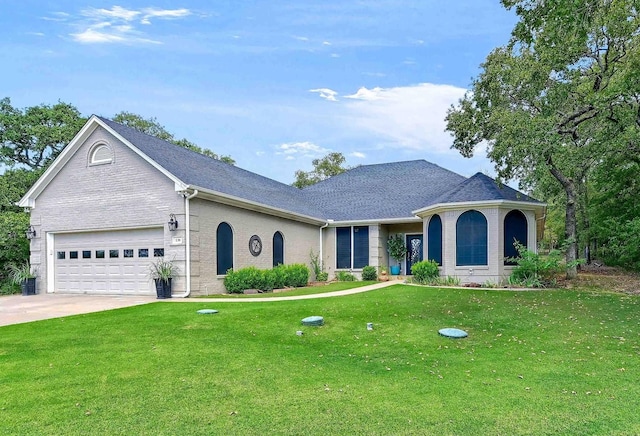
(414, 251)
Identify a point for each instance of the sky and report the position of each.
(272, 83)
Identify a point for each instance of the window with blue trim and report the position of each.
(471, 239)
(224, 248)
(434, 234)
(278, 249)
(352, 247)
(515, 229)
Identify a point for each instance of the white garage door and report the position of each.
(114, 262)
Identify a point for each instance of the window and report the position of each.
(158, 252)
(434, 234)
(73, 255)
(515, 229)
(114, 253)
(99, 254)
(86, 254)
(100, 154)
(278, 249)
(224, 248)
(352, 247)
(471, 239)
(143, 252)
(61, 255)
(127, 252)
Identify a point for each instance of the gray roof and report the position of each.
(202, 171)
(390, 190)
(481, 187)
(369, 192)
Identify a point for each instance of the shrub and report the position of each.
(369, 273)
(425, 271)
(322, 277)
(297, 275)
(343, 276)
(533, 270)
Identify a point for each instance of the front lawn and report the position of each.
(542, 362)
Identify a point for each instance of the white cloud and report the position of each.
(118, 24)
(326, 93)
(304, 149)
(358, 154)
(410, 117)
(326, 43)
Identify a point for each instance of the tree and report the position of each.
(152, 127)
(560, 99)
(328, 166)
(34, 136)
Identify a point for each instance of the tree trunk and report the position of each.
(570, 219)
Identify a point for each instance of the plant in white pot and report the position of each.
(397, 250)
(162, 272)
(25, 276)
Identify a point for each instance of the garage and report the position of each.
(111, 262)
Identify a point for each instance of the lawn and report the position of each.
(543, 362)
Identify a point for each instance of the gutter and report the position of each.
(187, 227)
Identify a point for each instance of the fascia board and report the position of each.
(242, 203)
(525, 205)
(407, 220)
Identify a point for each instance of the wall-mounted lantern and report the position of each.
(173, 223)
(30, 233)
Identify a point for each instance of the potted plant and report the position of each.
(162, 271)
(25, 276)
(397, 250)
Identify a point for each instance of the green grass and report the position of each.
(309, 290)
(535, 363)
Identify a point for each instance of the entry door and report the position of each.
(414, 251)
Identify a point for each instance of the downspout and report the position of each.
(187, 239)
(321, 254)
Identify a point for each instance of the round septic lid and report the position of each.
(453, 333)
(313, 320)
(207, 311)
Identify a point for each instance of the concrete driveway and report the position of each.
(16, 309)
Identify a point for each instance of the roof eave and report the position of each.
(404, 220)
(231, 200)
(428, 210)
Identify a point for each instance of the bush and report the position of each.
(425, 271)
(343, 276)
(533, 270)
(281, 276)
(322, 277)
(297, 275)
(369, 273)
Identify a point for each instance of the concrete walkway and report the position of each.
(16, 309)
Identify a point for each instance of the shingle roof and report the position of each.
(198, 170)
(390, 190)
(481, 187)
(369, 192)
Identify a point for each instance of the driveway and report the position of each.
(16, 309)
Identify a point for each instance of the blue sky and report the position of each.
(272, 83)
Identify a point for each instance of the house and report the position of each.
(115, 199)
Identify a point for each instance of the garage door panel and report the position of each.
(107, 262)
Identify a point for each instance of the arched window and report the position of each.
(224, 248)
(434, 234)
(100, 154)
(515, 229)
(278, 249)
(471, 239)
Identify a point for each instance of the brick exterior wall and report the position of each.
(126, 193)
(299, 239)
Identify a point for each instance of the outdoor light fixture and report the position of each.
(173, 223)
(31, 232)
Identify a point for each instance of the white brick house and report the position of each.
(101, 213)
